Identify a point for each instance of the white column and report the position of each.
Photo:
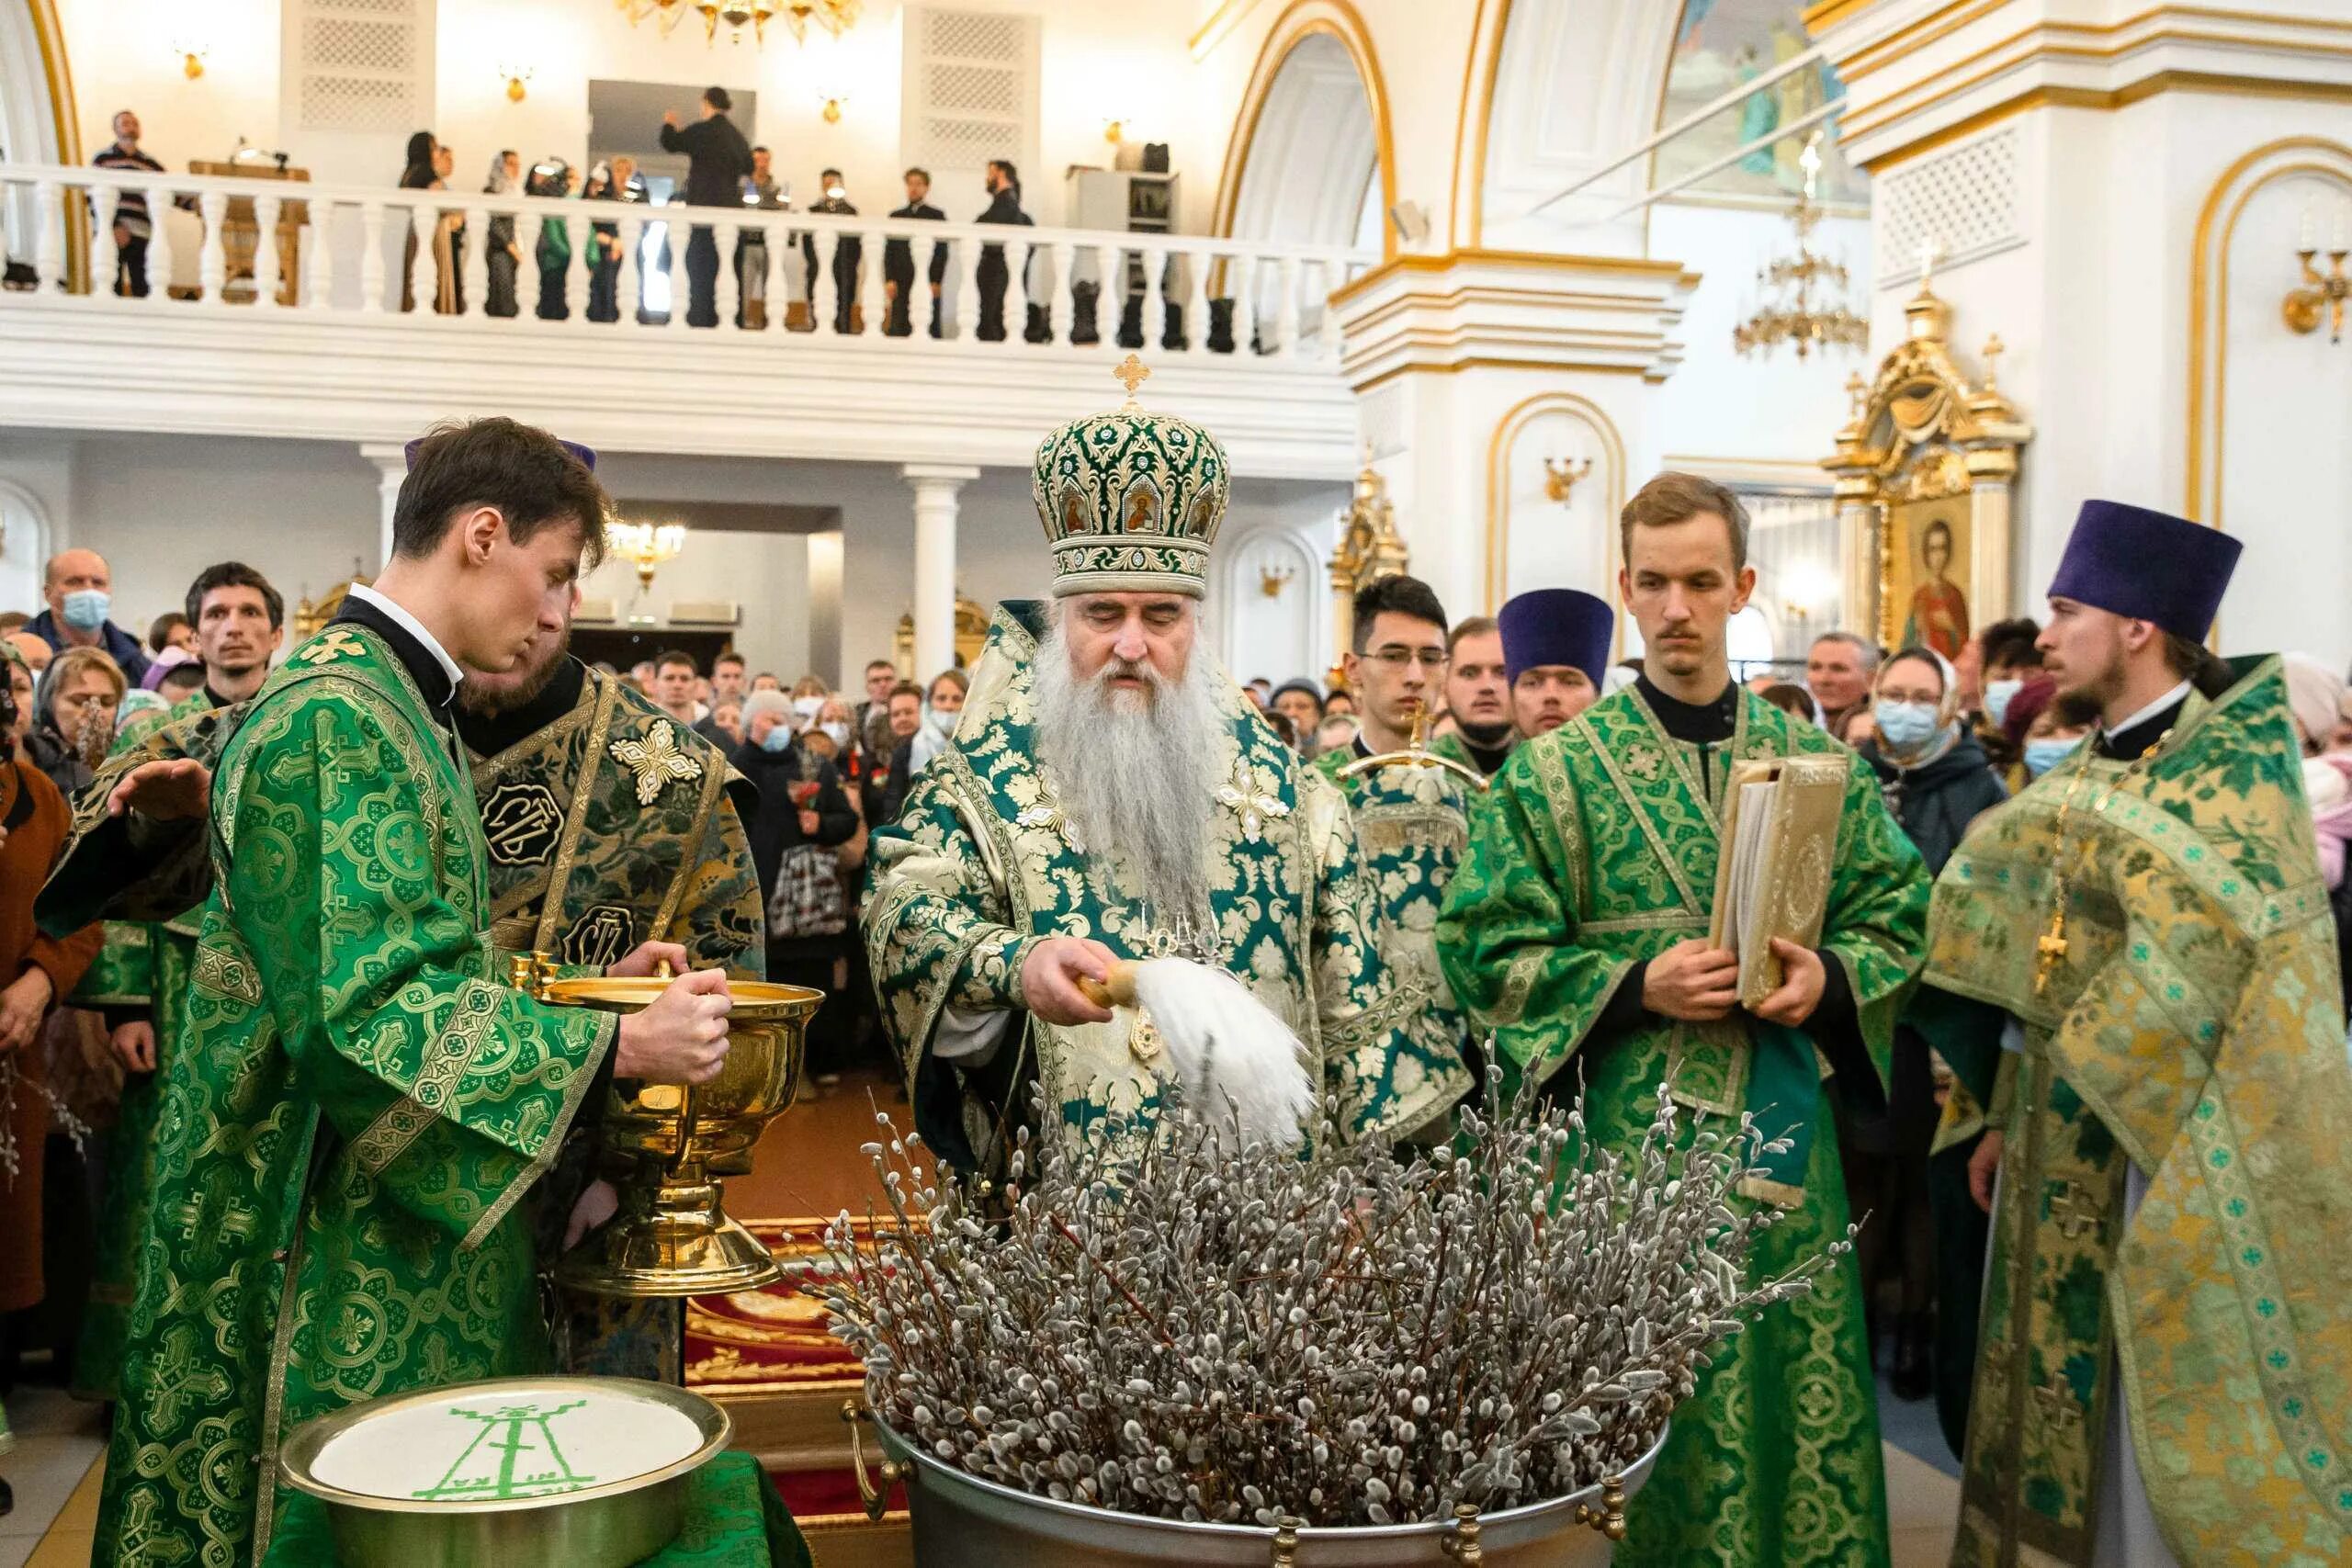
(391, 467)
(935, 488)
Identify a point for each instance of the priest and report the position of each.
(1577, 933)
(1412, 819)
(1111, 793)
(360, 1102)
(1556, 649)
(2164, 1370)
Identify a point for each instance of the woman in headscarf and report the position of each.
(943, 708)
(73, 706)
(2315, 701)
(504, 255)
(448, 240)
(1937, 782)
(415, 174)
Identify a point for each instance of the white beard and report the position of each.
(1136, 775)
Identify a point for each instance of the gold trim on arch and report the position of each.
(1471, 126)
(1347, 24)
(49, 35)
(2107, 101)
(2209, 281)
(1518, 417)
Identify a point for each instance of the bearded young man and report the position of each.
(1110, 793)
(1575, 931)
(141, 978)
(2165, 1370)
(1411, 822)
(361, 1101)
(1477, 693)
(1556, 649)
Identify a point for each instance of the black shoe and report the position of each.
(1913, 1377)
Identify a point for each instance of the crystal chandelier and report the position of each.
(645, 547)
(836, 16)
(1796, 318)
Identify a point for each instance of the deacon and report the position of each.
(1110, 793)
(1556, 649)
(551, 743)
(1477, 693)
(141, 978)
(2165, 1365)
(1577, 931)
(358, 1101)
(1412, 819)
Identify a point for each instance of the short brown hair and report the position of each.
(676, 655)
(1672, 498)
(1474, 626)
(905, 689)
(531, 478)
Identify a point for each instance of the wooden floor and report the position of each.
(808, 1165)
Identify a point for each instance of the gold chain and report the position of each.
(2051, 947)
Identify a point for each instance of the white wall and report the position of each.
(1720, 403)
(1096, 63)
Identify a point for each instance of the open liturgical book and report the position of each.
(1780, 839)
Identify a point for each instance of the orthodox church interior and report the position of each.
(1449, 279)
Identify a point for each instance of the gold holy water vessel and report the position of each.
(666, 1145)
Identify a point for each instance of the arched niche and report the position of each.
(1269, 606)
(1311, 144)
(1538, 537)
(2264, 455)
(25, 544)
(37, 123)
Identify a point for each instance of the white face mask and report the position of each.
(836, 731)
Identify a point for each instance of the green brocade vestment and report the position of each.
(358, 1104)
(1412, 825)
(1596, 850)
(143, 968)
(2175, 1196)
(978, 869)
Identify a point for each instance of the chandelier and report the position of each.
(1794, 317)
(644, 546)
(834, 17)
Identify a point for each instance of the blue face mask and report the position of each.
(2046, 754)
(778, 739)
(1996, 700)
(86, 609)
(1904, 726)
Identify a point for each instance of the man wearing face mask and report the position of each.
(79, 586)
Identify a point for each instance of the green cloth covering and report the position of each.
(1596, 848)
(733, 1519)
(2191, 1035)
(358, 1104)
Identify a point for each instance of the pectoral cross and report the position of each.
(2075, 1211)
(2051, 947)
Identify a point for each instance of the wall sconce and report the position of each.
(833, 103)
(1560, 477)
(2323, 293)
(516, 76)
(191, 55)
(1272, 579)
(1114, 132)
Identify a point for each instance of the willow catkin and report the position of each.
(1157, 1323)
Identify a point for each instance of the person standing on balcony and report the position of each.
(717, 161)
(448, 240)
(898, 260)
(79, 587)
(415, 174)
(132, 225)
(848, 252)
(505, 257)
(761, 192)
(993, 275)
(553, 179)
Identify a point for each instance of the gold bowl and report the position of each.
(666, 1145)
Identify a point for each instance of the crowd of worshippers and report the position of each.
(1947, 741)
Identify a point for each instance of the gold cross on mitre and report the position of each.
(1131, 374)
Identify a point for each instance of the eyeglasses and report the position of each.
(1397, 658)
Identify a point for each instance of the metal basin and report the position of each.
(608, 1525)
(962, 1521)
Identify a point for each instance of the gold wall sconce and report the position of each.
(2323, 293)
(834, 103)
(517, 79)
(1272, 579)
(1114, 132)
(191, 55)
(1560, 477)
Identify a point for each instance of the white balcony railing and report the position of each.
(379, 254)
